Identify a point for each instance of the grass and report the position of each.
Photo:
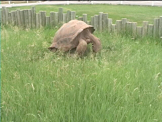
(122, 83)
(116, 12)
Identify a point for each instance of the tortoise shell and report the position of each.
(64, 38)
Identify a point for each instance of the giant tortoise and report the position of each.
(75, 35)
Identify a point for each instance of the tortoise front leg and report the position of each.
(82, 46)
(96, 43)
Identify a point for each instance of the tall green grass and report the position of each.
(122, 83)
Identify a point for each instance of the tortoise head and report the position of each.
(96, 45)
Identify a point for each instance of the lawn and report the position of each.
(122, 83)
(116, 12)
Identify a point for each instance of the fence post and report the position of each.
(150, 30)
(113, 28)
(85, 18)
(9, 18)
(33, 12)
(118, 26)
(139, 31)
(160, 27)
(0, 16)
(80, 18)
(42, 18)
(134, 29)
(104, 21)
(56, 18)
(13, 20)
(30, 18)
(72, 15)
(129, 28)
(156, 27)
(144, 33)
(22, 18)
(38, 20)
(60, 15)
(109, 24)
(26, 19)
(4, 15)
(52, 17)
(18, 18)
(92, 20)
(124, 21)
(96, 22)
(68, 16)
(47, 20)
(64, 17)
(100, 21)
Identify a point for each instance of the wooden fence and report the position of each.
(30, 19)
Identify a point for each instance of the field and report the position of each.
(116, 12)
(122, 83)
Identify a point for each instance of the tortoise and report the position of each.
(76, 35)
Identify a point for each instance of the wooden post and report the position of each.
(52, 19)
(124, 21)
(85, 18)
(134, 29)
(72, 15)
(144, 33)
(113, 28)
(129, 28)
(30, 18)
(104, 21)
(33, 14)
(156, 27)
(56, 18)
(160, 26)
(22, 18)
(92, 20)
(60, 15)
(6, 14)
(43, 18)
(3, 15)
(47, 20)
(109, 22)
(9, 18)
(80, 18)
(13, 20)
(26, 18)
(0, 17)
(18, 18)
(68, 16)
(118, 26)
(64, 17)
(100, 21)
(38, 20)
(139, 31)
(96, 22)
(150, 30)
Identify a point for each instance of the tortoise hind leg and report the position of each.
(82, 46)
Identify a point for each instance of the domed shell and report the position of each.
(65, 36)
